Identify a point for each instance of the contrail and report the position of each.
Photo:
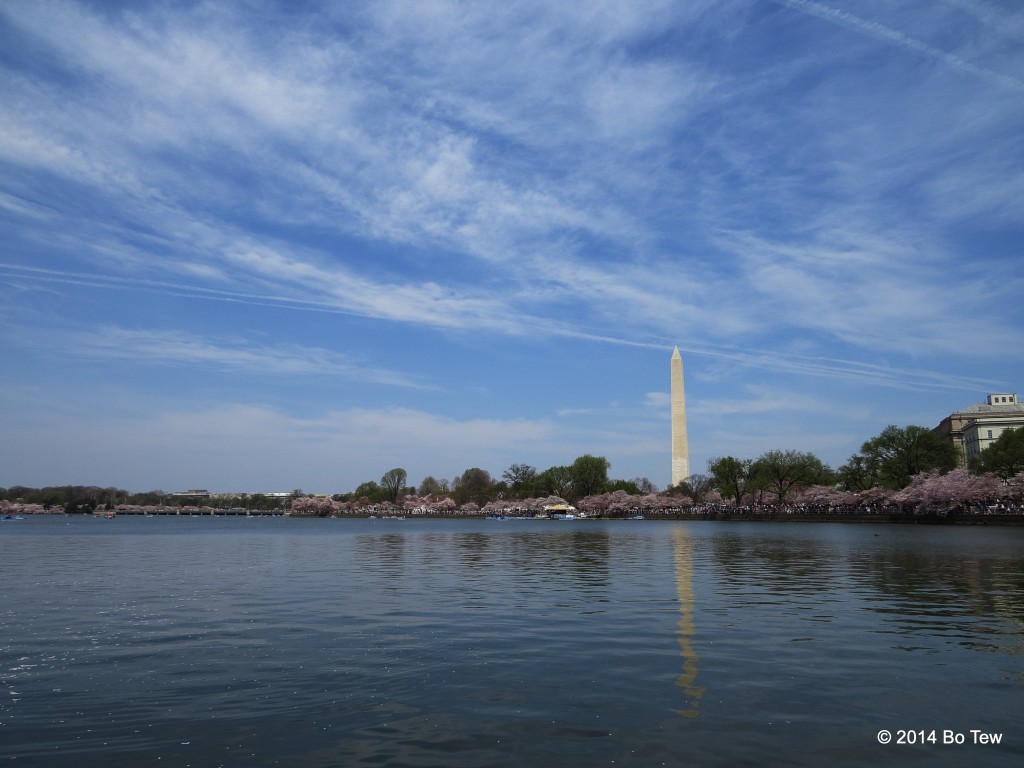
(1004, 24)
(806, 366)
(168, 288)
(888, 34)
(845, 370)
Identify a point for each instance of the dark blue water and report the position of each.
(258, 641)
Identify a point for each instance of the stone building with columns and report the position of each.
(974, 428)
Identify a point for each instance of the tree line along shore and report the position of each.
(902, 472)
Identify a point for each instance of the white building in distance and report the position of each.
(976, 427)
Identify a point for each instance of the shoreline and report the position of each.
(864, 519)
(969, 519)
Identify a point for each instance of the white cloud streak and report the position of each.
(431, 181)
(175, 348)
(775, 360)
(900, 40)
(630, 175)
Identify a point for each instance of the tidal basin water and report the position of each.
(258, 642)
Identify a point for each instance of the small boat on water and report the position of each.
(5, 518)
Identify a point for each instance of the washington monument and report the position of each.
(680, 448)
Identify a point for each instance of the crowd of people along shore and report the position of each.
(933, 493)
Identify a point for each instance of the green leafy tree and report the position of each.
(1003, 457)
(859, 474)
(629, 486)
(371, 492)
(731, 477)
(589, 475)
(392, 482)
(473, 485)
(556, 481)
(899, 453)
(781, 472)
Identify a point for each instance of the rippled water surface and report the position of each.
(259, 641)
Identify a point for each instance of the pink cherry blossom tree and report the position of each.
(956, 490)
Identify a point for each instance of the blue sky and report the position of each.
(272, 245)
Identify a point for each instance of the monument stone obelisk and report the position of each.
(680, 448)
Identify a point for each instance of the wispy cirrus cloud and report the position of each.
(430, 178)
(796, 192)
(433, 179)
(873, 293)
(1004, 22)
(901, 40)
(876, 374)
(779, 360)
(177, 348)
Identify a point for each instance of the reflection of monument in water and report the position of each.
(683, 546)
(684, 589)
(680, 447)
